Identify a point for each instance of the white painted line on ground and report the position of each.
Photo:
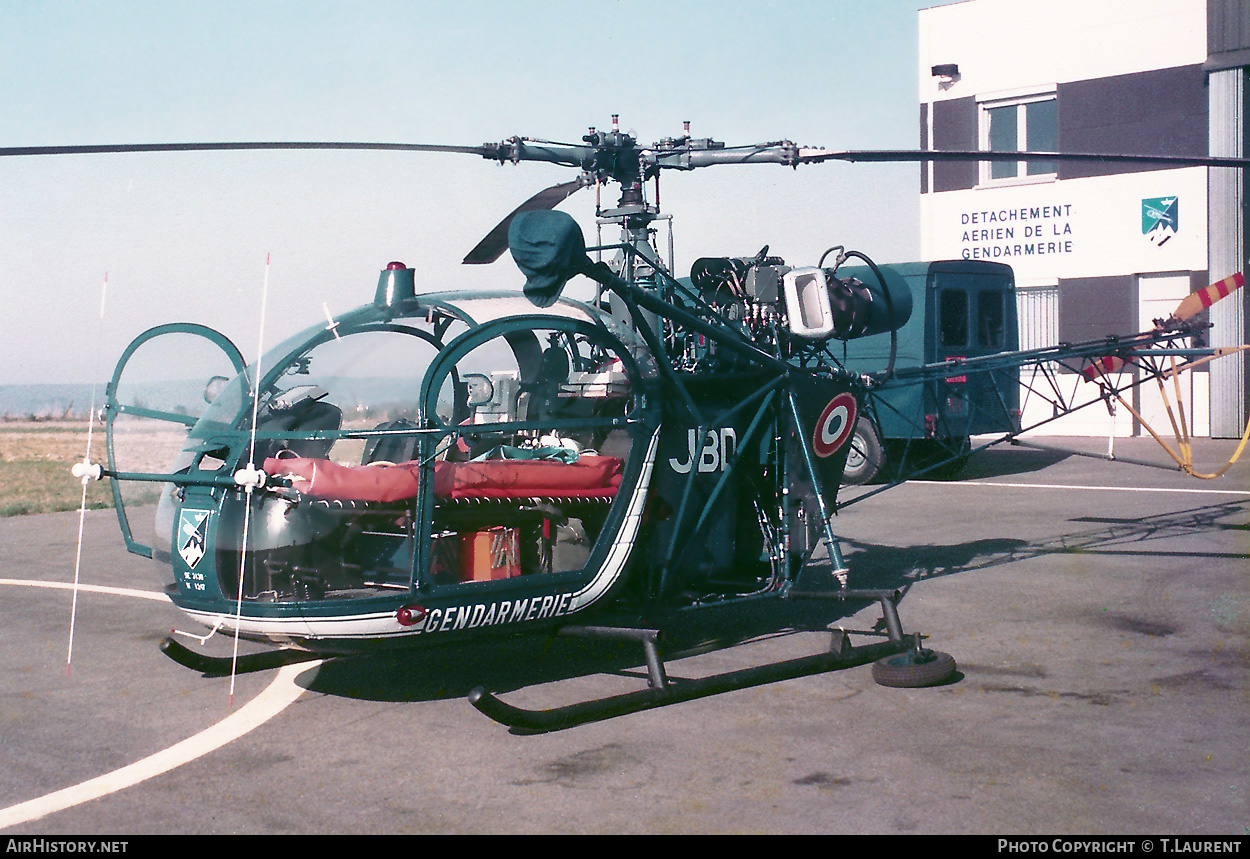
(276, 697)
(282, 692)
(948, 483)
(95, 589)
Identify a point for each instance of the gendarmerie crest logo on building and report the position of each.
(1159, 221)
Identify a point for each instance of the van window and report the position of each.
(991, 333)
(953, 317)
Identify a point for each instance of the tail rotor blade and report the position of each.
(492, 247)
(1194, 303)
(1105, 366)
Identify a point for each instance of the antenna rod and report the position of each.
(87, 471)
(249, 479)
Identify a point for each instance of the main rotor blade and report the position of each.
(219, 147)
(495, 243)
(815, 156)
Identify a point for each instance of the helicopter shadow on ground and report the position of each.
(508, 663)
(902, 567)
(505, 664)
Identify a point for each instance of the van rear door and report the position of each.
(973, 312)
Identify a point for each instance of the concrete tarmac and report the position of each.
(1099, 614)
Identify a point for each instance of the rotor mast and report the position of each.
(619, 159)
(614, 156)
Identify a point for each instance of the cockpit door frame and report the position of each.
(114, 408)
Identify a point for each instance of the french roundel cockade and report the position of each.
(835, 425)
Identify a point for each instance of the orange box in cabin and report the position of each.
(489, 555)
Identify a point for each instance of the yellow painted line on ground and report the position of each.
(280, 694)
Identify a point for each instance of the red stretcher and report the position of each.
(590, 477)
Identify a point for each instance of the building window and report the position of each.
(1038, 310)
(1025, 124)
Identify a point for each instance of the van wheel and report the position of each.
(867, 456)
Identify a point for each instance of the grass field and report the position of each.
(35, 463)
(36, 458)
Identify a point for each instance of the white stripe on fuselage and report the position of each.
(458, 617)
(623, 545)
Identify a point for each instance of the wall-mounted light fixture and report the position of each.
(947, 74)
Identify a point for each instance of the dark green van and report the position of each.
(960, 309)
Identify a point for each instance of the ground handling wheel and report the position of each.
(866, 457)
(913, 669)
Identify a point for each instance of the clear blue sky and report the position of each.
(184, 237)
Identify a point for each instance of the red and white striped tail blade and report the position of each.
(1104, 366)
(1194, 303)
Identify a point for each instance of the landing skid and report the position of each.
(662, 691)
(675, 691)
(222, 666)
